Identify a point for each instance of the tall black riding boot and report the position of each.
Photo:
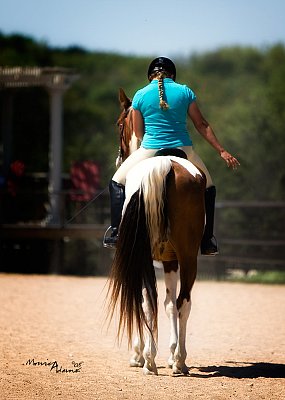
(209, 244)
(117, 197)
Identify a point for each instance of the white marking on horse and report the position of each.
(135, 175)
(133, 143)
(171, 279)
(180, 353)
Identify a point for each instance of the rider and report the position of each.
(160, 111)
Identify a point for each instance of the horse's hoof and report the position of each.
(146, 371)
(150, 369)
(184, 370)
(137, 363)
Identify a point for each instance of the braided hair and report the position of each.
(162, 103)
(160, 75)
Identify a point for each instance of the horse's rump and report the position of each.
(173, 191)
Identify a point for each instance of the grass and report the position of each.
(254, 276)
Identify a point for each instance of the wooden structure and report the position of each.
(56, 81)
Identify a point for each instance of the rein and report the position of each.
(124, 140)
(83, 208)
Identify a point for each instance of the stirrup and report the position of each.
(209, 247)
(110, 241)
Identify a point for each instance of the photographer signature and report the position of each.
(54, 366)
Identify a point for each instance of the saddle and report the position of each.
(173, 151)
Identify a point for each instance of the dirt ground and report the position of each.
(55, 343)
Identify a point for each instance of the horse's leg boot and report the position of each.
(117, 197)
(209, 244)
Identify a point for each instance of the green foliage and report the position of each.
(263, 277)
(241, 92)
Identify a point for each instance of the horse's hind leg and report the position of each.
(137, 359)
(145, 351)
(149, 351)
(187, 278)
(179, 366)
(171, 278)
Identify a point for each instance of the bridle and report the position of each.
(126, 131)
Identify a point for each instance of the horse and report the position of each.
(163, 221)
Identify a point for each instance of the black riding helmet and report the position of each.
(162, 64)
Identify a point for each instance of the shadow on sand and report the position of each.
(241, 370)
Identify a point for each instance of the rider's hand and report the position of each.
(229, 159)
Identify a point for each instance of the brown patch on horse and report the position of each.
(125, 125)
(170, 266)
(183, 207)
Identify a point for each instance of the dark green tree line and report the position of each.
(240, 90)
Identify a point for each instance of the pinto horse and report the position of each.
(163, 220)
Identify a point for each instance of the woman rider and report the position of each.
(160, 116)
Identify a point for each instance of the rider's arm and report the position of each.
(138, 124)
(208, 134)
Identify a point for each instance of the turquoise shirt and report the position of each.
(164, 128)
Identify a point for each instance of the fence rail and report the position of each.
(251, 235)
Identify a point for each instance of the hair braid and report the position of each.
(162, 103)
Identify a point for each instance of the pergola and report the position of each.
(56, 81)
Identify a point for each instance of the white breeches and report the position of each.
(142, 154)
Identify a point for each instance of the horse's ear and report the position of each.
(124, 99)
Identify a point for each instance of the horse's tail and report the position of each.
(132, 270)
